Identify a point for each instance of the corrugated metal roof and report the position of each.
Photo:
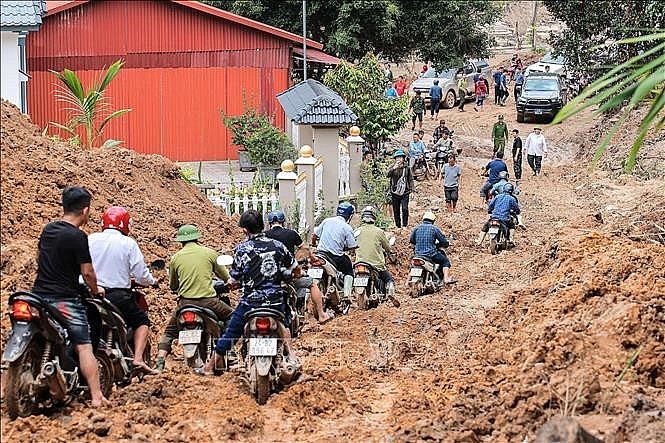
(312, 103)
(21, 15)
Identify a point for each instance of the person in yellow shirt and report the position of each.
(373, 246)
(191, 273)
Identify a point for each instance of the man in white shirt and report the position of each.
(117, 260)
(536, 149)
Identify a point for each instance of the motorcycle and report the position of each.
(42, 365)
(199, 328)
(369, 288)
(422, 276)
(330, 282)
(297, 302)
(419, 169)
(499, 238)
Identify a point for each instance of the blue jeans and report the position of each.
(237, 323)
(440, 259)
(486, 187)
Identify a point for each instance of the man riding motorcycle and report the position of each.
(334, 236)
(292, 240)
(117, 260)
(493, 169)
(501, 208)
(191, 271)
(257, 267)
(63, 256)
(372, 249)
(427, 237)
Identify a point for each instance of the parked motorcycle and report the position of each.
(369, 288)
(330, 282)
(42, 364)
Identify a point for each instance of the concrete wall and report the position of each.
(10, 78)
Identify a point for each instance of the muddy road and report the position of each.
(457, 365)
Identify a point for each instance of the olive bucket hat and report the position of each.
(187, 233)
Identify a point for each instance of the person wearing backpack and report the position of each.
(401, 185)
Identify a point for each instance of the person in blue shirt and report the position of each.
(503, 207)
(493, 168)
(435, 95)
(519, 81)
(390, 92)
(504, 87)
(426, 238)
(257, 268)
(416, 149)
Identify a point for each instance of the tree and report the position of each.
(362, 88)
(87, 108)
(638, 80)
(444, 32)
(592, 24)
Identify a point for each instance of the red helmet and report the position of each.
(116, 217)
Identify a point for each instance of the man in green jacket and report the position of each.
(499, 135)
(191, 273)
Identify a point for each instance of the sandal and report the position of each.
(330, 317)
(201, 372)
(451, 282)
(144, 369)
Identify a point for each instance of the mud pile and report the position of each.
(35, 170)
(559, 347)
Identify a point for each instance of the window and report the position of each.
(541, 84)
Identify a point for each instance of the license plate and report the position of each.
(416, 272)
(494, 230)
(315, 272)
(538, 111)
(360, 281)
(189, 337)
(262, 347)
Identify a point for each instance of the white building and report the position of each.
(17, 18)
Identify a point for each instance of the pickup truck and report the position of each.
(448, 82)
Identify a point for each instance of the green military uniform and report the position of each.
(372, 242)
(417, 105)
(499, 136)
(191, 271)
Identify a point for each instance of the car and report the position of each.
(557, 65)
(542, 95)
(448, 82)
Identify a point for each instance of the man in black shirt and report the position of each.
(517, 156)
(291, 239)
(63, 256)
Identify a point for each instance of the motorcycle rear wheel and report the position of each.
(106, 375)
(494, 246)
(20, 375)
(262, 388)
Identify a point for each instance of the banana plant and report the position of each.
(638, 80)
(87, 108)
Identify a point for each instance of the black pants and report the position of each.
(497, 94)
(462, 99)
(535, 162)
(401, 209)
(342, 263)
(434, 106)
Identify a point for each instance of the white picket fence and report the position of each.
(263, 202)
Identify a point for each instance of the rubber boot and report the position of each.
(348, 286)
(511, 237)
(480, 238)
(160, 365)
(520, 222)
(390, 290)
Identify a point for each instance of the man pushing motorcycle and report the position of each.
(191, 271)
(258, 267)
(292, 240)
(373, 246)
(117, 260)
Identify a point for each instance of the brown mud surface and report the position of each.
(541, 330)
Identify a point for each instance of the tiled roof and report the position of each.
(312, 103)
(21, 15)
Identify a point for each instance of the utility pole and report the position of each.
(533, 26)
(304, 40)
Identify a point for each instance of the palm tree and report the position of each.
(90, 108)
(639, 79)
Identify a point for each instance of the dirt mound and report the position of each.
(35, 170)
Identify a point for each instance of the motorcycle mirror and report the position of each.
(224, 260)
(157, 265)
(391, 241)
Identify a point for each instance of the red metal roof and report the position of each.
(317, 56)
(54, 7)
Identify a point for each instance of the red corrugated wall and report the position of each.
(182, 67)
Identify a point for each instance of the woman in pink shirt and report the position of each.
(481, 92)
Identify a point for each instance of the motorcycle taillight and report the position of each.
(361, 269)
(263, 325)
(316, 262)
(417, 262)
(188, 317)
(22, 311)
